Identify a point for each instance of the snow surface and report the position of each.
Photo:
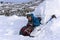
(10, 26)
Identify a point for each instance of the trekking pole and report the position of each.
(53, 16)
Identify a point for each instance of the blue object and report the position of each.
(36, 21)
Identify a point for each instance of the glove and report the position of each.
(29, 24)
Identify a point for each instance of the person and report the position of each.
(33, 21)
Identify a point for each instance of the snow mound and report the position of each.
(10, 26)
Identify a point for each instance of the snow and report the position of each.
(10, 26)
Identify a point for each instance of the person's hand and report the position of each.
(31, 24)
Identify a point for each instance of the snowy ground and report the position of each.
(7, 24)
(10, 26)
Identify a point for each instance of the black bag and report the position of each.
(26, 30)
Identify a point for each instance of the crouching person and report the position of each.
(32, 23)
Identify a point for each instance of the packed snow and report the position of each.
(10, 26)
